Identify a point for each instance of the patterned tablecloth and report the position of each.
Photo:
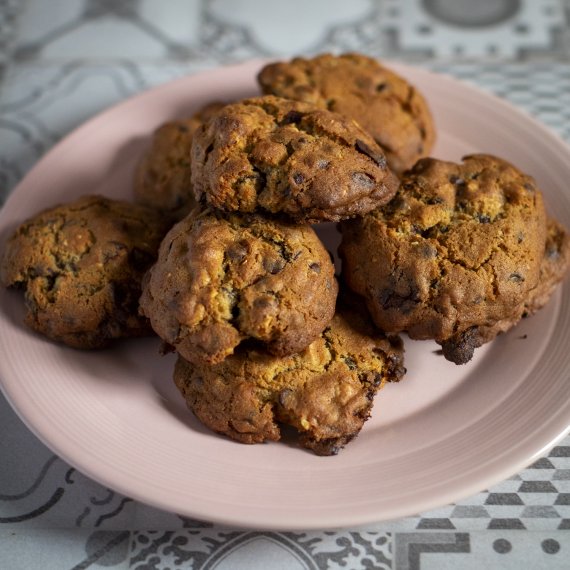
(62, 62)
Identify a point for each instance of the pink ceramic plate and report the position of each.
(444, 433)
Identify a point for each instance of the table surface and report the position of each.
(62, 62)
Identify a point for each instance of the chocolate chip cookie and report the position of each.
(358, 87)
(223, 278)
(459, 249)
(272, 155)
(81, 266)
(325, 392)
(162, 177)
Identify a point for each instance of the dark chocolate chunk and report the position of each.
(292, 117)
(298, 178)
(377, 157)
(362, 179)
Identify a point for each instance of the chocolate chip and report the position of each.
(389, 299)
(316, 267)
(483, 218)
(237, 252)
(298, 178)
(363, 180)
(457, 181)
(434, 201)
(516, 277)
(376, 156)
(292, 117)
(323, 164)
(376, 381)
(273, 266)
(381, 87)
(350, 362)
(529, 187)
(398, 203)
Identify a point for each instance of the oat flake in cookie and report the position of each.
(326, 392)
(272, 155)
(223, 278)
(358, 87)
(458, 250)
(80, 266)
(163, 175)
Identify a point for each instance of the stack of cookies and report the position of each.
(220, 257)
(244, 290)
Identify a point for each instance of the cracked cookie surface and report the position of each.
(553, 269)
(223, 278)
(459, 249)
(325, 392)
(269, 154)
(358, 87)
(163, 175)
(81, 265)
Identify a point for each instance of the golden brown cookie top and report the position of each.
(223, 278)
(273, 155)
(81, 265)
(460, 246)
(383, 103)
(326, 392)
(553, 269)
(163, 175)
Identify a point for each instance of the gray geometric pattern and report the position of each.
(409, 548)
(60, 73)
(208, 549)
